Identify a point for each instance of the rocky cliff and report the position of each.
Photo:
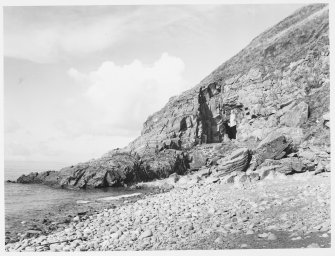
(274, 82)
(270, 102)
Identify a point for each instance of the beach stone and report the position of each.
(146, 233)
(82, 202)
(67, 248)
(211, 210)
(249, 232)
(30, 249)
(272, 237)
(218, 240)
(296, 238)
(313, 245)
(105, 244)
(113, 229)
(55, 247)
(87, 231)
(263, 235)
(82, 248)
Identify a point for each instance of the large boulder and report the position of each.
(274, 146)
(237, 161)
(198, 159)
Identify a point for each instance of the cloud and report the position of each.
(50, 34)
(77, 76)
(57, 42)
(120, 98)
(107, 112)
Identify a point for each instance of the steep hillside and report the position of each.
(270, 101)
(285, 65)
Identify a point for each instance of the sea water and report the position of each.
(26, 200)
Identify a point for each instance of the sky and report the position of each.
(81, 80)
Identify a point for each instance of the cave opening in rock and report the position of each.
(231, 131)
(183, 125)
(231, 126)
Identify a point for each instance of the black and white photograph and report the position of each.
(170, 126)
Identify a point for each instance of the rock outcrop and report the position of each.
(116, 168)
(36, 177)
(272, 97)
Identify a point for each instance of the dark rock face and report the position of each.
(113, 169)
(275, 93)
(163, 164)
(47, 177)
(116, 168)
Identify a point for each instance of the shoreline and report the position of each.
(202, 216)
(46, 221)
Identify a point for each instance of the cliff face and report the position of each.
(278, 84)
(273, 83)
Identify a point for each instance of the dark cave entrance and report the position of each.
(231, 131)
(183, 125)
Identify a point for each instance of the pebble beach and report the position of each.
(282, 212)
